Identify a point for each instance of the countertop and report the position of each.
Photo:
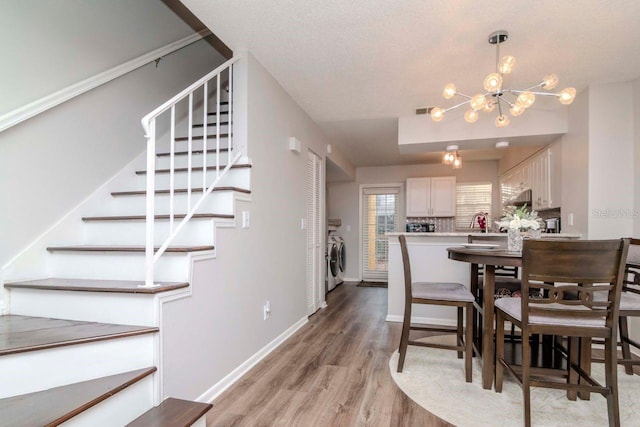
(462, 234)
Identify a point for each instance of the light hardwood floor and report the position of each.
(332, 372)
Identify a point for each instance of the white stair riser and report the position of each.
(114, 266)
(40, 370)
(104, 307)
(234, 178)
(211, 129)
(195, 232)
(218, 202)
(119, 409)
(182, 161)
(196, 144)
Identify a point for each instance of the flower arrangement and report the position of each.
(518, 223)
(521, 220)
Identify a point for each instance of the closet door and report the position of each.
(315, 282)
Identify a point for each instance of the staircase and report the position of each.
(82, 345)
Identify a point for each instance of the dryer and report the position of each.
(342, 258)
(333, 263)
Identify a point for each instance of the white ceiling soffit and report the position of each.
(379, 59)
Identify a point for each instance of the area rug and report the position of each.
(434, 379)
(364, 284)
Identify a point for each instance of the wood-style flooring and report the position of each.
(333, 372)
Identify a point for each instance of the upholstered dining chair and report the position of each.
(630, 305)
(580, 267)
(435, 293)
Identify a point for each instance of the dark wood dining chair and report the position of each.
(577, 267)
(436, 293)
(630, 305)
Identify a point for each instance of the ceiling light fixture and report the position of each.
(451, 157)
(494, 95)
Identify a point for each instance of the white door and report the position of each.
(315, 282)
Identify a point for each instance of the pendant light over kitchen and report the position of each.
(452, 158)
(517, 101)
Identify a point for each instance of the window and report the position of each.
(380, 214)
(472, 198)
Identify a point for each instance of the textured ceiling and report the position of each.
(355, 66)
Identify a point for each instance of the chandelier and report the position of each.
(452, 158)
(495, 96)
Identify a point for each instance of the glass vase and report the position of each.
(514, 240)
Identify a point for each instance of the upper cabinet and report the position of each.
(541, 174)
(433, 197)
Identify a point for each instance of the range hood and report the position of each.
(521, 199)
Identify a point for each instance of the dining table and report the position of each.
(489, 257)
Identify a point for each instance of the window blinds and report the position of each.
(380, 214)
(472, 198)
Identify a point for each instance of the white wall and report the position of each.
(636, 156)
(343, 197)
(611, 161)
(265, 262)
(56, 43)
(575, 166)
(50, 163)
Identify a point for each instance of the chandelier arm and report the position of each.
(505, 101)
(463, 95)
(514, 91)
(499, 108)
(456, 106)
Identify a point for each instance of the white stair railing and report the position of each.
(202, 93)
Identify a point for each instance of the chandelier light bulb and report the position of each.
(489, 107)
(457, 162)
(471, 116)
(478, 102)
(437, 114)
(502, 121)
(449, 91)
(567, 95)
(506, 64)
(549, 81)
(493, 82)
(448, 158)
(516, 110)
(526, 99)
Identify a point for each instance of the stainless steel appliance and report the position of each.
(552, 225)
(420, 227)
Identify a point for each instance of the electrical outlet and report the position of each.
(267, 310)
(245, 219)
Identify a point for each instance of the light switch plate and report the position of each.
(245, 219)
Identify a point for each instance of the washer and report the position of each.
(333, 263)
(342, 259)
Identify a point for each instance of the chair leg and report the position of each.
(572, 374)
(404, 337)
(624, 337)
(499, 373)
(526, 374)
(459, 334)
(585, 364)
(611, 375)
(468, 343)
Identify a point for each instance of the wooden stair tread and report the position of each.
(19, 334)
(92, 285)
(199, 137)
(172, 413)
(55, 406)
(177, 190)
(127, 248)
(200, 125)
(196, 169)
(184, 153)
(157, 217)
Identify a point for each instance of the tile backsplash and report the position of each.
(443, 225)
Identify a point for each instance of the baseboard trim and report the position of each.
(210, 395)
(424, 320)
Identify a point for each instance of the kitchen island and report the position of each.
(430, 263)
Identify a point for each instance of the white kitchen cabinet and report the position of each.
(431, 197)
(541, 174)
